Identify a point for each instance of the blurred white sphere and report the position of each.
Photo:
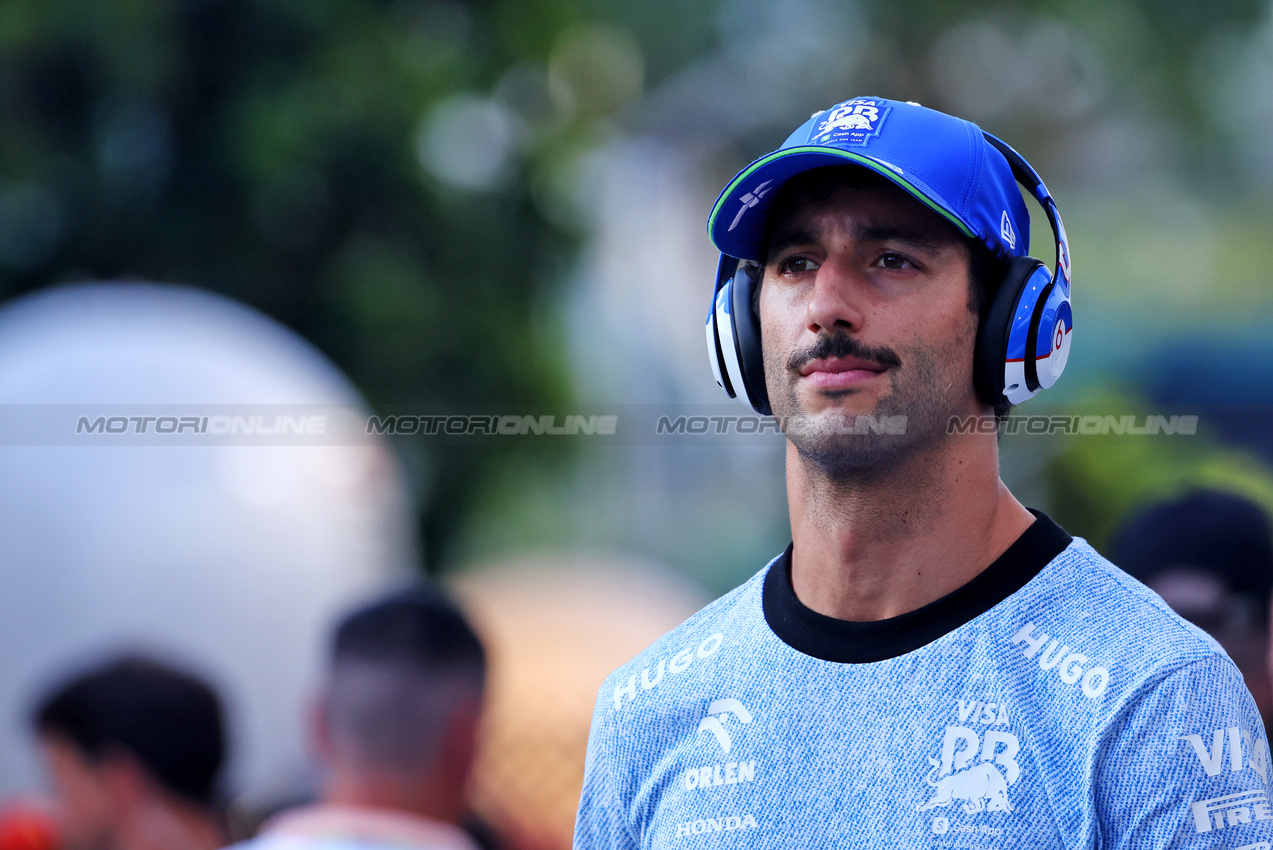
(231, 559)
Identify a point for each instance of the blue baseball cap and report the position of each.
(943, 161)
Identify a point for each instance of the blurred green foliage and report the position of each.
(1098, 481)
(294, 154)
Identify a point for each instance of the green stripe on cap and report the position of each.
(882, 170)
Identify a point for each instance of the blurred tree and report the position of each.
(385, 178)
(1097, 481)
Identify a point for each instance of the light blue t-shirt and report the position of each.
(1051, 702)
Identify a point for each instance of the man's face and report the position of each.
(864, 310)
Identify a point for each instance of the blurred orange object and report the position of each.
(554, 628)
(27, 827)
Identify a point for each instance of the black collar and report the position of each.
(843, 641)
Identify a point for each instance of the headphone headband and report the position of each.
(1026, 175)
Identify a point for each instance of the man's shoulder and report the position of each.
(1083, 603)
(268, 842)
(336, 827)
(719, 633)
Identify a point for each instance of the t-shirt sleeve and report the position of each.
(600, 823)
(1186, 765)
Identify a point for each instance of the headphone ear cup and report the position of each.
(991, 352)
(719, 370)
(751, 359)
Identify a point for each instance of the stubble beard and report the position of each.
(908, 421)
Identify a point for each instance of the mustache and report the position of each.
(843, 345)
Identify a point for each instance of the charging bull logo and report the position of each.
(848, 122)
(969, 770)
(980, 787)
(852, 123)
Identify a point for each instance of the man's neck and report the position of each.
(169, 825)
(874, 547)
(423, 796)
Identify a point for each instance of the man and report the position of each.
(1209, 555)
(395, 728)
(929, 664)
(134, 748)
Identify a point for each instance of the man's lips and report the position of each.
(840, 372)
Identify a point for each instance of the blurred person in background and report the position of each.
(1209, 555)
(134, 749)
(395, 727)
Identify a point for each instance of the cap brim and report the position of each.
(737, 223)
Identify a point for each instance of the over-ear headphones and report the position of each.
(1022, 344)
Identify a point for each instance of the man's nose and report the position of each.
(835, 304)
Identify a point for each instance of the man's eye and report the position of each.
(894, 261)
(796, 265)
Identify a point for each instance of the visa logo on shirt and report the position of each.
(1243, 751)
(989, 713)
